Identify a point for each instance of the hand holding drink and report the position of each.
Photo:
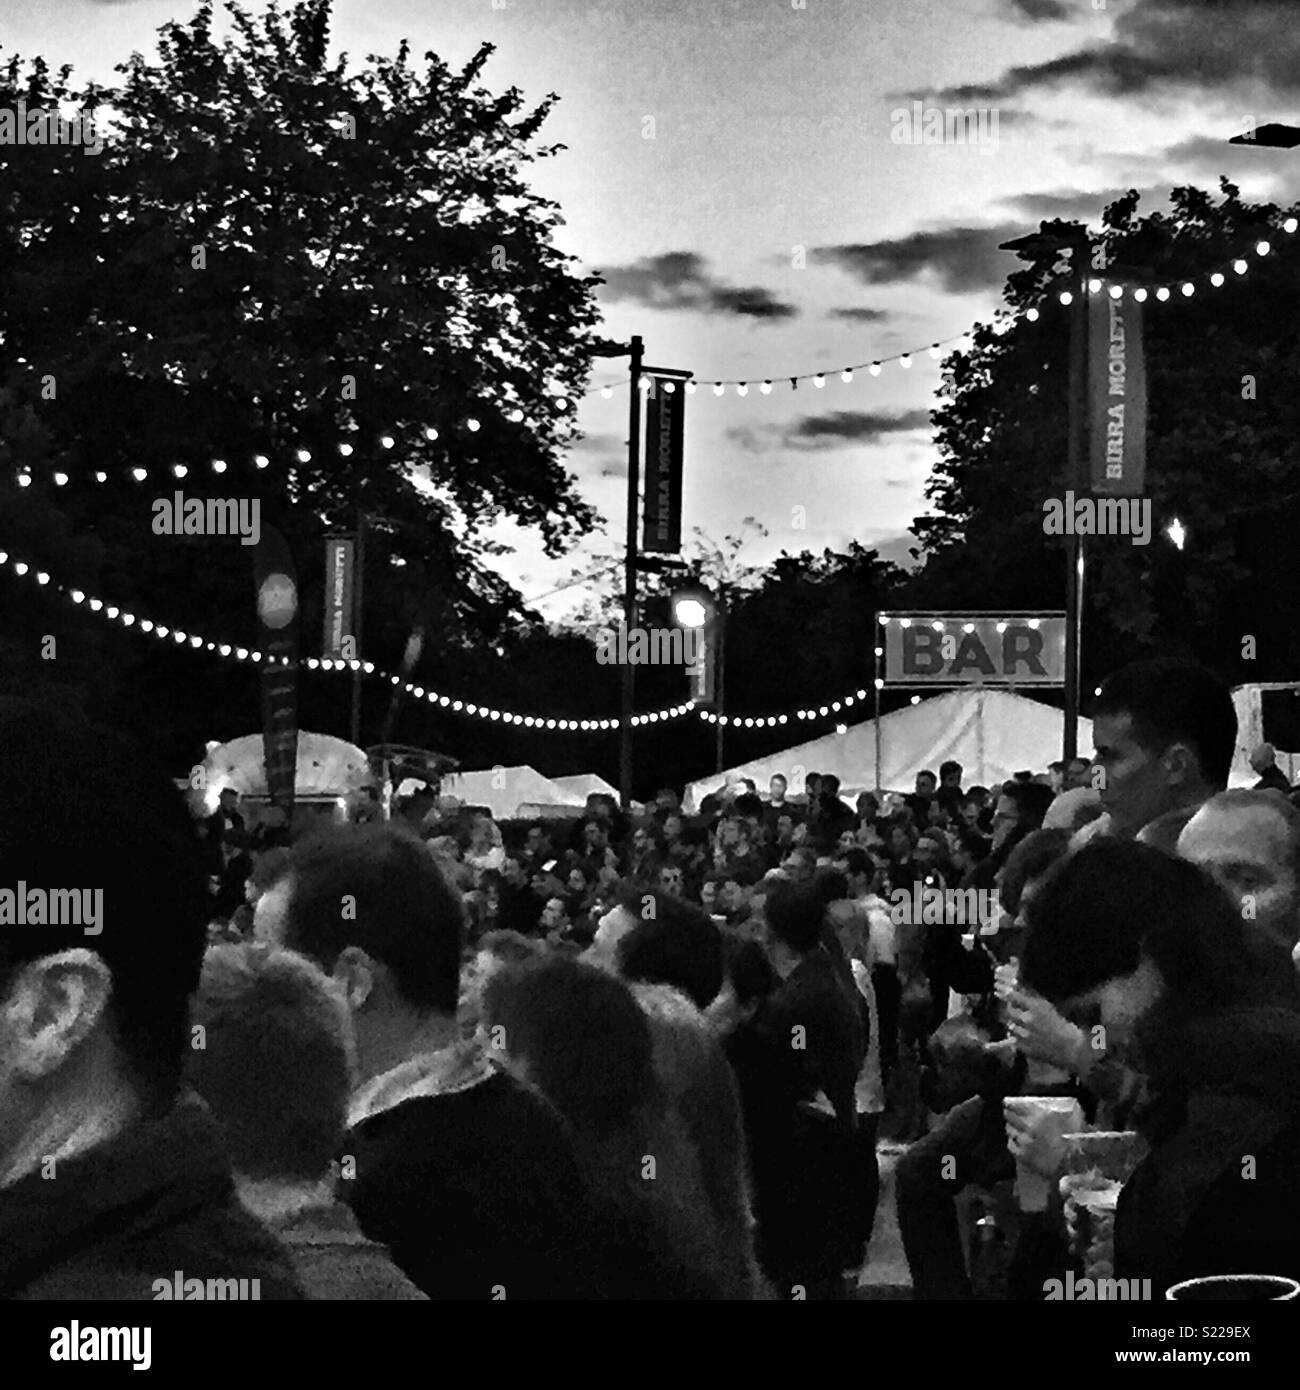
(1036, 1129)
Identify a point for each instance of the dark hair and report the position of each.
(857, 861)
(831, 883)
(680, 945)
(1175, 702)
(830, 784)
(400, 909)
(795, 912)
(748, 804)
(951, 765)
(1030, 859)
(1104, 908)
(274, 1067)
(1031, 801)
(584, 1036)
(925, 772)
(138, 844)
(781, 775)
(750, 971)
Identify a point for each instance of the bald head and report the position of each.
(1249, 842)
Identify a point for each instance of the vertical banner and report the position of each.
(701, 674)
(1117, 396)
(665, 422)
(340, 599)
(277, 618)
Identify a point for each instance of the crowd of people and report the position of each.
(648, 1054)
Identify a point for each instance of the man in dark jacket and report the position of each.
(112, 1182)
(465, 1173)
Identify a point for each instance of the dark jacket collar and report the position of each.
(156, 1171)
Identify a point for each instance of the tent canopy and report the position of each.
(584, 784)
(327, 766)
(993, 734)
(504, 789)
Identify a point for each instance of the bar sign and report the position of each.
(665, 420)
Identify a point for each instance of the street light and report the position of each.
(689, 611)
(1177, 533)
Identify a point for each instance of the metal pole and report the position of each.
(875, 687)
(1077, 476)
(358, 610)
(721, 676)
(629, 568)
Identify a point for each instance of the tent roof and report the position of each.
(504, 789)
(583, 784)
(327, 766)
(991, 733)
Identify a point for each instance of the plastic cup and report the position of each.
(1064, 1115)
(1234, 1288)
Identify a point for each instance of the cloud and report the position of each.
(853, 426)
(1167, 45)
(855, 315)
(1073, 205)
(962, 259)
(679, 280)
(1039, 10)
(597, 444)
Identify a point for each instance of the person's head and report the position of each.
(1164, 733)
(710, 891)
(513, 873)
(1262, 758)
(950, 773)
(969, 848)
(95, 993)
(494, 951)
(799, 864)
(1122, 926)
(537, 845)
(867, 805)
(1056, 776)
(859, 869)
(847, 839)
(1020, 808)
(276, 1065)
(812, 784)
(672, 827)
(595, 835)
(930, 853)
(1020, 877)
(677, 944)
(830, 786)
(373, 909)
(776, 786)
(926, 783)
(671, 879)
(667, 800)
(482, 830)
(555, 915)
(1249, 843)
(228, 799)
(1078, 773)
(970, 809)
(899, 841)
(795, 914)
(578, 1034)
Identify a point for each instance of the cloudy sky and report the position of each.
(733, 171)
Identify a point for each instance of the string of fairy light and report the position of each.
(1161, 293)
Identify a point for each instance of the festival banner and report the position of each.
(1117, 396)
(665, 422)
(277, 616)
(340, 599)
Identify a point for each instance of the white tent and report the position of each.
(991, 733)
(327, 767)
(583, 784)
(1250, 734)
(505, 789)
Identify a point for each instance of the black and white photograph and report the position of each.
(649, 651)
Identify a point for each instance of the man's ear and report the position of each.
(53, 1005)
(355, 974)
(1181, 764)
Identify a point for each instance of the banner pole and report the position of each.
(875, 687)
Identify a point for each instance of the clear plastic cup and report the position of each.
(1235, 1288)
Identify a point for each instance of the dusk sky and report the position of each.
(772, 227)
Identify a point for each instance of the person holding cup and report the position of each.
(1157, 949)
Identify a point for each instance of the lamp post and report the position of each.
(635, 350)
(697, 607)
(1072, 237)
